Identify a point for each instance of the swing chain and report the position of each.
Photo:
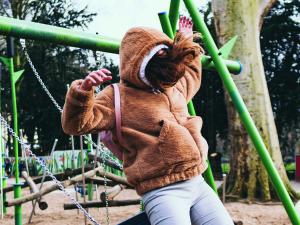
(104, 152)
(26, 147)
(22, 42)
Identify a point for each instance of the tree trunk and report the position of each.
(248, 177)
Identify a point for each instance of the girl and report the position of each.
(164, 153)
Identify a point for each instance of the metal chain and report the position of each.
(26, 147)
(104, 152)
(22, 42)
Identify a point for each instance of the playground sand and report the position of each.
(249, 214)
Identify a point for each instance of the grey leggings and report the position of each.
(185, 203)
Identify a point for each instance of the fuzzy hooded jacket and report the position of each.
(162, 142)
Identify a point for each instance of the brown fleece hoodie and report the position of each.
(163, 144)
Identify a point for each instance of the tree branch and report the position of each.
(264, 7)
(2, 8)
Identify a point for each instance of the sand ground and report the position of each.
(249, 214)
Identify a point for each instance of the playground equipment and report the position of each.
(22, 29)
(14, 78)
(2, 168)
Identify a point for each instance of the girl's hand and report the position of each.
(95, 78)
(186, 26)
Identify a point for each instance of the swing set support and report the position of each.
(14, 76)
(168, 30)
(42, 32)
(3, 178)
(243, 112)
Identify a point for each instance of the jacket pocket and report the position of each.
(131, 168)
(148, 164)
(151, 164)
(194, 125)
(176, 144)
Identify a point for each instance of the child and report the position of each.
(164, 153)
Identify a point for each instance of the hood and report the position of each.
(137, 48)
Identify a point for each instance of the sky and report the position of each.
(115, 17)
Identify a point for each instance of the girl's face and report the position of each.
(163, 73)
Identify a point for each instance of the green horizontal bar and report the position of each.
(234, 67)
(42, 32)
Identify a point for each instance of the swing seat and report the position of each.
(139, 219)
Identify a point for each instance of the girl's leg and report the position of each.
(168, 206)
(208, 209)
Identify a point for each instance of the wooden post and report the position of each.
(96, 204)
(59, 176)
(51, 188)
(114, 177)
(108, 162)
(111, 193)
(42, 203)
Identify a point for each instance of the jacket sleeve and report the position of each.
(190, 83)
(84, 113)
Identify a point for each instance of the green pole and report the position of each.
(4, 183)
(208, 175)
(90, 185)
(166, 26)
(18, 208)
(42, 32)
(243, 112)
(174, 14)
(90, 191)
(2, 170)
(17, 185)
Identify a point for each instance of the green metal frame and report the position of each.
(2, 163)
(243, 112)
(35, 31)
(42, 32)
(90, 189)
(14, 76)
(174, 14)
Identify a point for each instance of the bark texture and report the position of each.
(248, 178)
